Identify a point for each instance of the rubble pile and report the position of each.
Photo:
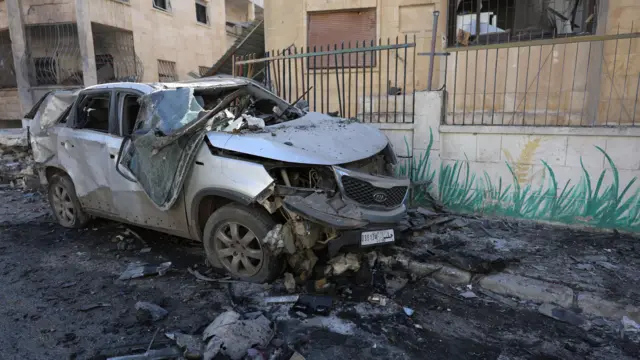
(16, 160)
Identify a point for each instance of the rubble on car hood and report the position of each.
(315, 138)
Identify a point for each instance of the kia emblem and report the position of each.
(380, 197)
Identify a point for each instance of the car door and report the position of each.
(130, 200)
(82, 149)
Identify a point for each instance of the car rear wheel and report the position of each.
(233, 240)
(65, 204)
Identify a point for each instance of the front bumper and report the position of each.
(337, 214)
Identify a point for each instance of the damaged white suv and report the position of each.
(259, 181)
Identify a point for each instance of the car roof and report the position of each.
(208, 82)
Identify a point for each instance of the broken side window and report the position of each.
(479, 22)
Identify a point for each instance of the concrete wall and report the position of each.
(395, 18)
(9, 105)
(585, 176)
(176, 36)
(563, 89)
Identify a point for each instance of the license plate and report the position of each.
(377, 237)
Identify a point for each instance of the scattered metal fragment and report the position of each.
(94, 306)
(68, 284)
(469, 295)
(148, 310)
(281, 299)
(199, 276)
(138, 270)
(378, 299)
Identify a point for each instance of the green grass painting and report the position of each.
(586, 201)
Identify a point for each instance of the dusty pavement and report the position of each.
(62, 300)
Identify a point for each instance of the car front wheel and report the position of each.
(65, 204)
(233, 240)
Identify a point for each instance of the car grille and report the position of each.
(366, 194)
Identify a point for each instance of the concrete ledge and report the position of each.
(541, 130)
(392, 126)
(528, 289)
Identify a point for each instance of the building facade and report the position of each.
(571, 62)
(75, 43)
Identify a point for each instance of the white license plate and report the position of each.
(377, 237)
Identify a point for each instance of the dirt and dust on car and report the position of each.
(278, 193)
(261, 182)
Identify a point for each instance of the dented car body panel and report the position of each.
(312, 139)
(165, 156)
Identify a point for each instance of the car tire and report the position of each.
(65, 204)
(233, 238)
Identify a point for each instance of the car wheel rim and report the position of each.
(63, 206)
(238, 249)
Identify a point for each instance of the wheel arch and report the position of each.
(208, 200)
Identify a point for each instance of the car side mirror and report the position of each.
(123, 163)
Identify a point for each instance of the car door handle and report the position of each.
(112, 156)
(66, 144)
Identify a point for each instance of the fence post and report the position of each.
(434, 34)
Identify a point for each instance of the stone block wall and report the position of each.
(586, 176)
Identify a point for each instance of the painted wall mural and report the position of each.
(601, 201)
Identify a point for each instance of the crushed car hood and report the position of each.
(315, 138)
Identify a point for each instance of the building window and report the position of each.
(479, 22)
(331, 29)
(46, 70)
(202, 12)
(167, 71)
(164, 5)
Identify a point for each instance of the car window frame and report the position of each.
(73, 116)
(120, 107)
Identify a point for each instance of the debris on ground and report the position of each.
(378, 299)
(228, 335)
(342, 263)
(561, 314)
(94, 306)
(192, 345)
(281, 299)
(146, 311)
(395, 282)
(138, 270)
(290, 282)
(408, 311)
(167, 353)
(629, 325)
(469, 295)
(314, 304)
(129, 240)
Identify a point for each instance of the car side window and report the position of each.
(128, 109)
(93, 112)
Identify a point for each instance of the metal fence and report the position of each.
(374, 81)
(562, 81)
